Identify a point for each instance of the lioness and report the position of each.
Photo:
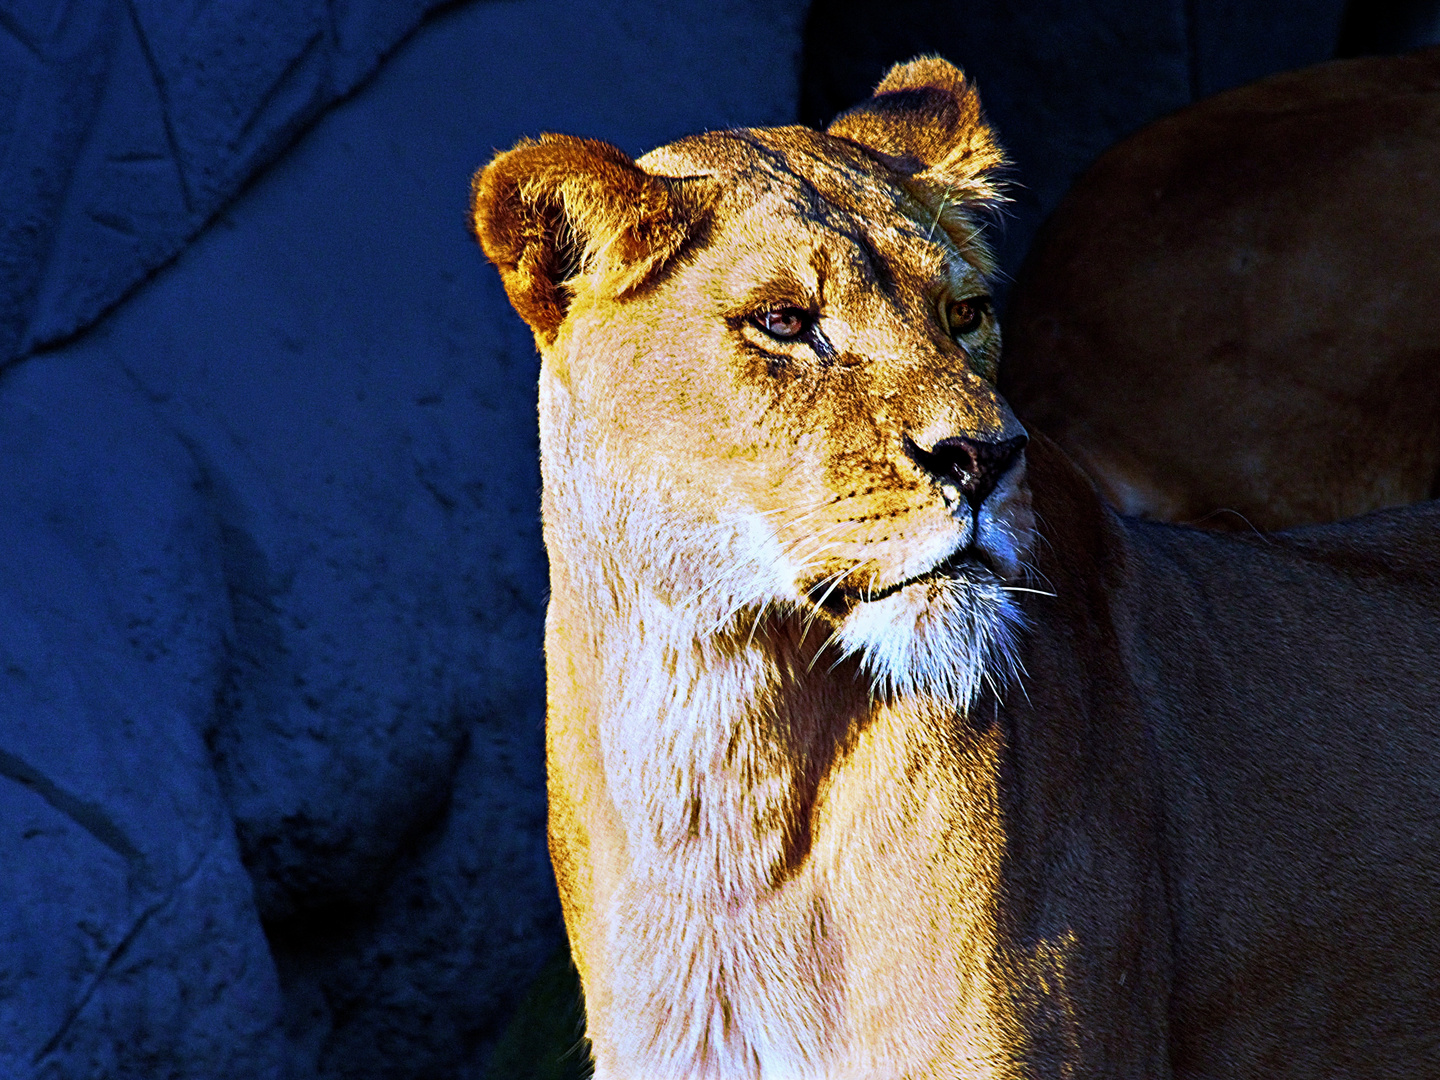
(878, 746)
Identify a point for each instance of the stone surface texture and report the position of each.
(271, 687)
(126, 124)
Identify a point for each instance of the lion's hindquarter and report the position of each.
(1292, 687)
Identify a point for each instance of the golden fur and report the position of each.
(808, 817)
(1233, 310)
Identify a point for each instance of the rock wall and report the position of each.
(125, 125)
(271, 691)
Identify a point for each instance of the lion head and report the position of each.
(769, 375)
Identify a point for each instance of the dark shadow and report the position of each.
(546, 1039)
(849, 45)
(1377, 27)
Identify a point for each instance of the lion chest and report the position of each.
(730, 955)
(705, 987)
(722, 958)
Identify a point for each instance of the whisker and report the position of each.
(1020, 676)
(944, 202)
(1022, 588)
(819, 604)
(834, 578)
(1041, 528)
(724, 581)
(823, 646)
(823, 536)
(815, 608)
(764, 606)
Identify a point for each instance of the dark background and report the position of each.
(271, 797)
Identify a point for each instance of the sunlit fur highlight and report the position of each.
(946, 639)
(698, 697)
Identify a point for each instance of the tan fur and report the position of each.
(807, 819)
(1231, 318)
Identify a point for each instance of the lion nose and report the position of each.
(974, 465)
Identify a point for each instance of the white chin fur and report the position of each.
(942, 638)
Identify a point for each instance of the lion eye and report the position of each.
(965, 316)
(783, 323)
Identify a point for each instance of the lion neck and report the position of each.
(811, 880)
(715, 742)
(772, 810)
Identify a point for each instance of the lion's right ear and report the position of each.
(925, 121)
(551, 211)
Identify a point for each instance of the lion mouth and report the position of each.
(971, 563)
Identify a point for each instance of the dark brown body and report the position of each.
(1226, 754)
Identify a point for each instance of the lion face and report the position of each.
(795, 411)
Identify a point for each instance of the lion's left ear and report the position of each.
(552, 211)
(925, 122)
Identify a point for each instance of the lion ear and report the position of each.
(552, 211)
(925, 121)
